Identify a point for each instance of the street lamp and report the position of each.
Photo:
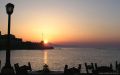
(9, 8)
(8, 69)
(9, 11)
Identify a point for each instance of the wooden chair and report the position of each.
(117, 67)
(73, 70)
(22, 70)
(89, 68)
(103, 69)
(17, 69)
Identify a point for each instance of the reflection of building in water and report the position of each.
(45, 57)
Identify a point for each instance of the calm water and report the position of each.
(57, 58)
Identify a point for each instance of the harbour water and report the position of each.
(57, 58)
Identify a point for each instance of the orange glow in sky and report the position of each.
(64, 21)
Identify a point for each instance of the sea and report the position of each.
(57, 58)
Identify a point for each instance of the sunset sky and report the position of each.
(73, 22)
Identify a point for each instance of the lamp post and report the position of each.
(8, 69)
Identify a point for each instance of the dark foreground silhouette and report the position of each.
(91, 69)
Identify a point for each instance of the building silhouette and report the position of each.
(18, 43)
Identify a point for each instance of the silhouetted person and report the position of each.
(66, 69)
(29, 65)
(46, 68)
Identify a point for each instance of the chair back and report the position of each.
(89, 68)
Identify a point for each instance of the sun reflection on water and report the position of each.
(45, 57)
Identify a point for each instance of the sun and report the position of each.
(46, 41)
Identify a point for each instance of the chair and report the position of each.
(103, 69)
(117, 67)
(72, 71)
(89, 68)
(22, 70)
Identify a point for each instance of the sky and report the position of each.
(66, 22)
